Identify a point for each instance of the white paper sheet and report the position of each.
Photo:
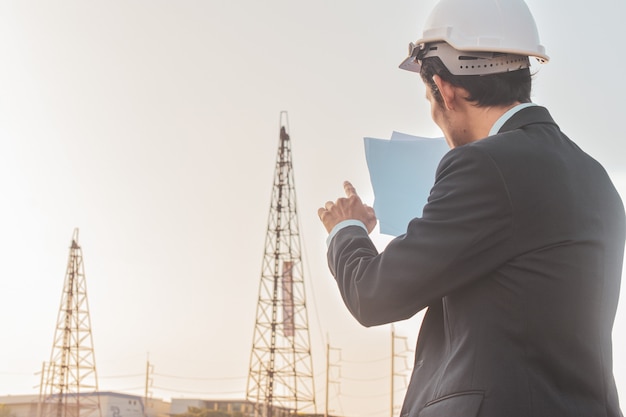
(402, 172)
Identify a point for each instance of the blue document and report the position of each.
(402, 172)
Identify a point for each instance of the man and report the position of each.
(518, 254)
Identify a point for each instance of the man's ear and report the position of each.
(448, 92)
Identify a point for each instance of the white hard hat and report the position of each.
(491, 26)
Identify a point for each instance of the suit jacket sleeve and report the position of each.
(463, 235)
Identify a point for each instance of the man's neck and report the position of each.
(481, 119)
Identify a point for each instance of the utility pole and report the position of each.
(147, 393)
(395, 355)
(70, 382)
(328, 380)
(280, 378)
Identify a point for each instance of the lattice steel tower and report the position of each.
(69, 381)
(280, 379)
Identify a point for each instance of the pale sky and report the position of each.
(152, 126)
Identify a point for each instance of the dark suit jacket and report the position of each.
(518, 257)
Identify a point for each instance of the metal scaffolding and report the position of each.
(280, 378)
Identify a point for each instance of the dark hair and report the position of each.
(484, 90)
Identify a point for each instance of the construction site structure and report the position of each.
(69, 382)
(403, 371)
(280, 378)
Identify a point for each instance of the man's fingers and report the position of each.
(349, 189)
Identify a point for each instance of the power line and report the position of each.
(193, 378)
(199, 392)
(380, 378)
(119, 376)
(365, 395)
(202, 378)
(385, 359)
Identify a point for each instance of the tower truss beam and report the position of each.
(280, 378)
(69, 381)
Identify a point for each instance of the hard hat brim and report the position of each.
(492, 60)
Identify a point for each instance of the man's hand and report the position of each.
(348, 208)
